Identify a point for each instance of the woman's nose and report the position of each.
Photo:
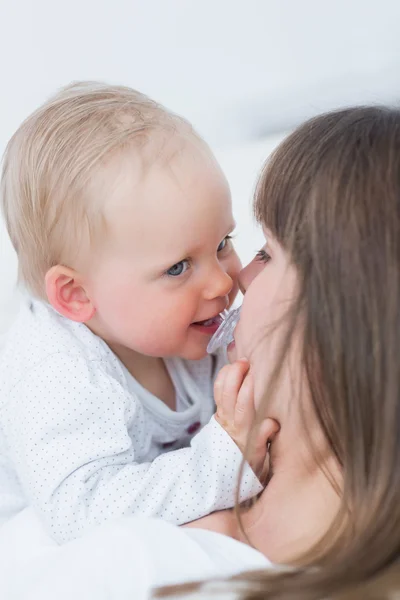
(243, 280)
(241, 286)
(246, 276)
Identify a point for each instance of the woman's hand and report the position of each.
(234, 397)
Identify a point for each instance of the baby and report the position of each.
(121, 219)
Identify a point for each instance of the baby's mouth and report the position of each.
(208, 326)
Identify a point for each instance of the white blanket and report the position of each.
(124, 559)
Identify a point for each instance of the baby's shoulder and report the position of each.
(41, 339)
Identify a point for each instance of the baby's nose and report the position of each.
(219, 284)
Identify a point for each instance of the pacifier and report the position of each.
(224, 334)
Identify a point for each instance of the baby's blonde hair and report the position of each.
(50, 159)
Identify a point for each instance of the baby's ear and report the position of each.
(67, 295)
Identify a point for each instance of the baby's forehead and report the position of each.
(168, 146)
(157, 148)
(165, 190)
(164, 150)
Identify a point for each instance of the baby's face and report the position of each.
(167, 266)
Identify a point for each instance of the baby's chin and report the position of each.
(193, 354)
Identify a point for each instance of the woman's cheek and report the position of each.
(231, 352)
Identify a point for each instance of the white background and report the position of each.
(240, 70)
(235, 68)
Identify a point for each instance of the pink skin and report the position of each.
(231, 349)
(174, 211)
(299, 503)
(268, 283)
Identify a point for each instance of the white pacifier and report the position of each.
(224, 334)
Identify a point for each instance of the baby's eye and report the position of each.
(224, 243)
(178, 269)
(263, 256)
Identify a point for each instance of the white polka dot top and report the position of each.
(83, 442)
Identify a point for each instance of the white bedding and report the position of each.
(122, 560)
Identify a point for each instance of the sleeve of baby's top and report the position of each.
(75, 436)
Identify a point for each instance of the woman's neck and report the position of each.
(292, 514)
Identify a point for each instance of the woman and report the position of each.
(320, 326)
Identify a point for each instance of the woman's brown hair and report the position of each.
(330, 194)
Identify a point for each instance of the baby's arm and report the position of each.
(67, 428)
(235, 410)
(222, 521)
